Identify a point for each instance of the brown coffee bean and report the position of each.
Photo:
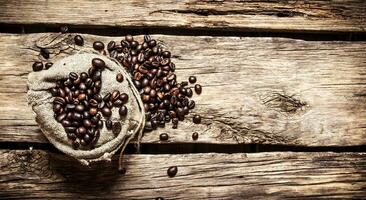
(122, 111)
(124, 97)
(164, 137)
(108, 124)
(198, 89)
(98, 45)
(106, 112)
(195, 136)
(172, 171)
(78, 40)
(115, 95)
(118, 103)
(196, 119)
(98, 63)
(129, 38)
(48, 65)
(119, 77)
(37, 66)
(93, 111)
(107, 97)
(111, 45)
(192, 79)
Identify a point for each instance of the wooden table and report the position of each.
(283, 102)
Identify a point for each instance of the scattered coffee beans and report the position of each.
(64, 29)
(164, 137)
(77, 104)
(198, 88)
(79, 40)
(164, 98)
(172, 171)
(195, 136)
(37, 66)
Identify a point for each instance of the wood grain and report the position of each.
(255, 90)
(44, 175)
(245, 15)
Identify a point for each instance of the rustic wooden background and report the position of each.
(286, 76)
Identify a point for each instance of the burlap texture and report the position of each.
(41, 101)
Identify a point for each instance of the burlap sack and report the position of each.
(41, 100)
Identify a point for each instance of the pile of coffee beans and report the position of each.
(153, 75)
(78, 104)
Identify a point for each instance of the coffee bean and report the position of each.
(192, 79)
(107, 97)
(116, 128)
(164, 137)
(118, 103)
(122, 111)
(87, 123)
(37, 66)
(100, 124)
(80, 132)
(147, 38)
(129, 38)
(98, 45)
(166, 54)
(115, 95)
(172, 171)
(96, 138)
(64, 29)
(106, 112)
(198, 89)
(45, 53)
(191, 104)
(98, 63)
(87, 139)
(48, 65)
(196, 119)
(76, 143)
(59, 100)
(108, 124)
(93, 102)
(194, 135)
(119, 77)
(80, 108)
(111, 45)
(79, 40)
(148, 126)
(73, 76)
(124, 97)
(93, 111)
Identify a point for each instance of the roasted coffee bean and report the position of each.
(87, 123)
(194, 135)
(124, 97)
(106, 112)
(115, 95)
(48, 65)
(147, 38)
(73, 76)
(198, 89)
(166, 54)
(192, 79)
(45, 53)
(97, 76)
(64, 29)
(189, 92)
(78, 40)
(77, 116)
(164, 137)
(98, 63)
(93, 111)
(111, 45)
(87, 139)
(196, 119)
(79, 108)
(119, 77)
(122, 111)
(116, 128)
(70, 135)
(107, 97)
(175, 123)
(54, 92)
(98, 45)
(152, 43)
(148, 126)
(59, 100)
(65, 123)
(129, 38)
(108, 124)
(117, 103)
(191, 104)
(109, 104)
(37, 66)
(93, 102)
(172, 171)
(96, 138)
(80, 132)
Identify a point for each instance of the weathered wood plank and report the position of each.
(43, 175)
(246, 15)
(256, 90)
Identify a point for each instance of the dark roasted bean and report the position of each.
(172, 171)
(79, 40)
(108, 124)
(115, 95)
(124, 97)
(37, 66)
(196, 119)
(129, 38)
(195, 136)
(98, 45)
(106, 112)
(119, 77)
(48, 65)
(98, 63)
(111, 45)
(198, 89)
(164, 137)
(192, 79)
(122, 111)
(107, 97)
